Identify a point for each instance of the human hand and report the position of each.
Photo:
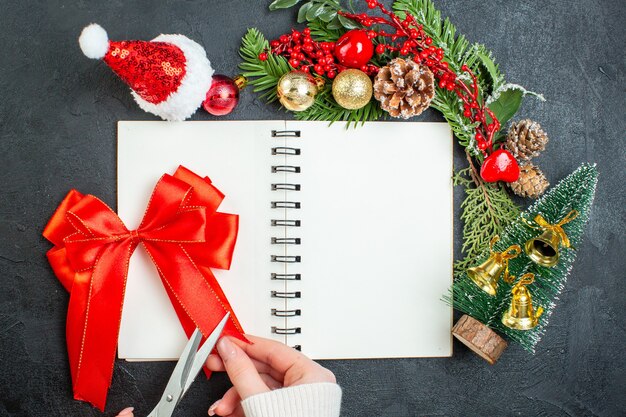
(127, 412)
(260, 367)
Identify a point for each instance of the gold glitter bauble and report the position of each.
(352, 89)
(296, 90)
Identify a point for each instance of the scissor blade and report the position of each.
(204, 352)
(174, 389)
(190, 355)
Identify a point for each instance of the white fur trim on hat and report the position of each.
(192, 90)
(94, 41)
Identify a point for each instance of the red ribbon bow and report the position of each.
(183, 234)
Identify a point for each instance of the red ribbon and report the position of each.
(184, 236)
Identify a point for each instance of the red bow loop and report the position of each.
(92, 218)
(185, 237)
(169, 196)
(188, 226)
(205, 194)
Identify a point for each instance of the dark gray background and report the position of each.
(58, 114)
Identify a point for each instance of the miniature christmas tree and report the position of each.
(571, 198)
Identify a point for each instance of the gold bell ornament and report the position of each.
(544, 249)
(521, 315)
(487, 274)
(296, 90)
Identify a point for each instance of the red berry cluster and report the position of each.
(310, 56)
(409, 38)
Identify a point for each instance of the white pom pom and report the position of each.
(94, 41)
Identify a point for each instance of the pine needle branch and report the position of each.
(262, 75)
(486, 210)
(327, 109)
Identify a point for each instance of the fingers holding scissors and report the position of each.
(244, 375)
(273, 364)
(240, 368)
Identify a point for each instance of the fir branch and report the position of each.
(262, 75)
(452, 110)
(327, 109)
(457, 52)
(457, 49)
(486, 210)
(576, 192)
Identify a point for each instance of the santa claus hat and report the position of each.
(168, 76)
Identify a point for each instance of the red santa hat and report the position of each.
(168, 76)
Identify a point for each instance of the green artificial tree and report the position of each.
(576, 192)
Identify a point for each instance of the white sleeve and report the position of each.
(310, 400)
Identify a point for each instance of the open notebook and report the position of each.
(345, 235)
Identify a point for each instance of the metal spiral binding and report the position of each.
(286, 294)
(285, 168)
(286, 277)
(287, 223)
(285, 241)
(285, 313)
(287, 330)
(285, 133)
(286, 259)
(284, 186)
(283, 150)
(286, 204)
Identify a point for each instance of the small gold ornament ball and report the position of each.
(296, 90)
(352, 89)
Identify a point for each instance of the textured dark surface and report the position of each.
(58, 113)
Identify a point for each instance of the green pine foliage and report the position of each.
(457, 51)
(486, 210)
(327, 109)
(263, 76)
(576, 192)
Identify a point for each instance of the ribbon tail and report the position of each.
(232, 328)
(93, 321)
(196, 300)
(188, 325)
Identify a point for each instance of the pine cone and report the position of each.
(531, 182)
(526, 140)
(404, 88)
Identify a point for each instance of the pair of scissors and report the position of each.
(186, 370)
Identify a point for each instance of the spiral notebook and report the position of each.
(345, 237)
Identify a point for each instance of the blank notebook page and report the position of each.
(375, 233)
(376, 251)
(236, 157)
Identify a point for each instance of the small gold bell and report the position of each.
(521, 315)
(544, 249)
(487, 274)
